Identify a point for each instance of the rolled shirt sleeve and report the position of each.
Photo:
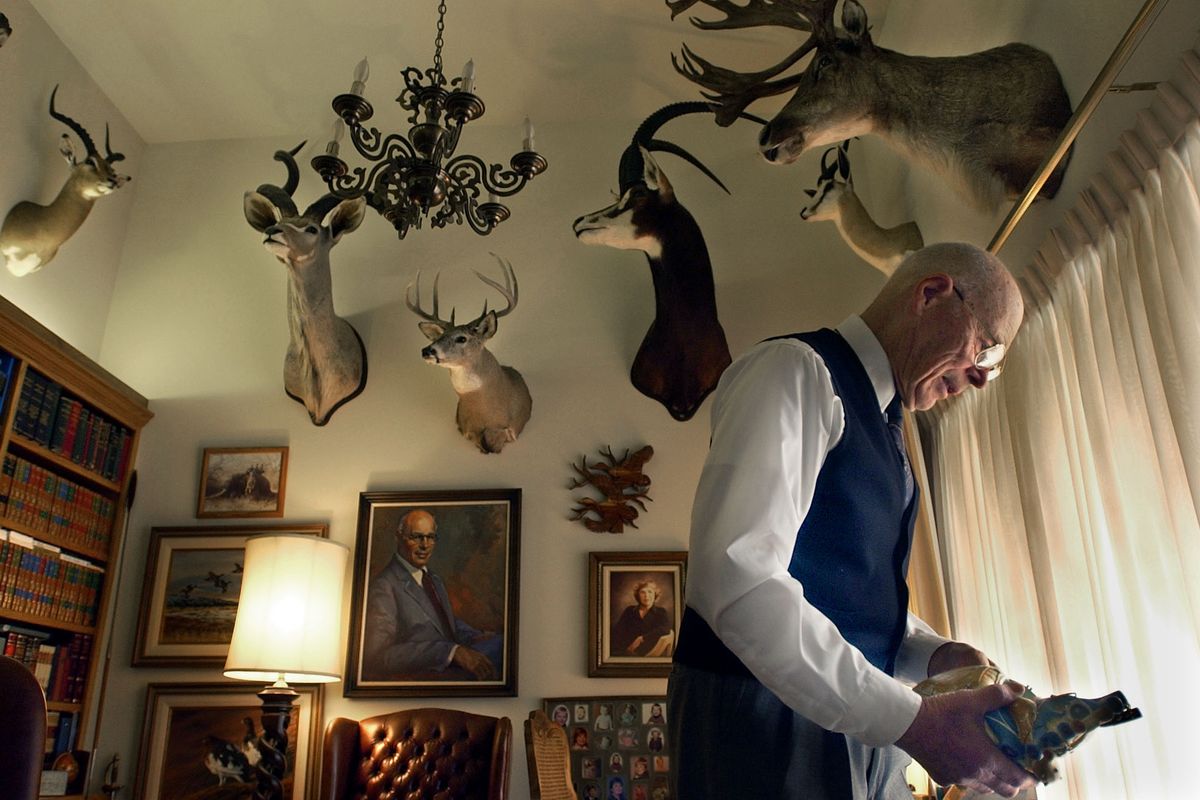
(774, 418)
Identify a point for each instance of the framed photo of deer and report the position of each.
(242, 482)
(190, 593)
(635, 607)
(434, 608)
(197, 737)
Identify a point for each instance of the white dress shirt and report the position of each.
(774, 419)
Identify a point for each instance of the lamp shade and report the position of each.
(289, 614)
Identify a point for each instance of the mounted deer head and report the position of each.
(989, 118)
(32, 233)
(684, 351)
(834, 199)
(493, 400)
(326, 363)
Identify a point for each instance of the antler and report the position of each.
(508, 290)
(415, 305)
(732, 91)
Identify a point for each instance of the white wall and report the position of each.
(197, 324)
(71, 294)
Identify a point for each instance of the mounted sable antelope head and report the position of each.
(5, 30)
(326, 363)
(684, 352)
(32, 233)
(988, 119)
(493, 400)
(834, 199)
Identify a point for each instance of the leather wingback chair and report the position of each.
(23, 732)
(419, 754)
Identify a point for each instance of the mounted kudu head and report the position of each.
(493, 400)
(326, 363)
(32, 233)
(834, 199)
(684, 352)
(989, 118)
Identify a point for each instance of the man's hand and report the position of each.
(474, 662)
(948, 739)
(635, 644)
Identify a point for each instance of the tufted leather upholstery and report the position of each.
(23, 732)
(419, 754)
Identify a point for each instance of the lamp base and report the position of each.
(277, 702)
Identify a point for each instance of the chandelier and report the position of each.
(420, 176)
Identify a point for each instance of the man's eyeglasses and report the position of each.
(989, 358)
(418, 538)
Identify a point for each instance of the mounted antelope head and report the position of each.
(32, 233)
(834, 199)
(326, 363)
(493, 400)
(684, 351)
(989, 119)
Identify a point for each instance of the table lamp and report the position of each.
(287, 629)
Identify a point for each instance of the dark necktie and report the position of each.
(427, 585)
(895, 420)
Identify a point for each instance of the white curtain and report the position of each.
(1066, 493)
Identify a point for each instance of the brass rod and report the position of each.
(1120, 54)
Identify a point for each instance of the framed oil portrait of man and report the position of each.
(435, 591)
(635, 606)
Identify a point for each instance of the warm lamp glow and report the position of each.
(289, 614)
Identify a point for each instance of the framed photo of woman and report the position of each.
(635, 606)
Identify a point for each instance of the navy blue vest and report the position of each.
(851, 552)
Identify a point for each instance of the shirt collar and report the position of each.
(416, 572)
(874, 360)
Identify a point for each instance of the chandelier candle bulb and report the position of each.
(528, 143)
(468, 77)
(492, 197)
(361, 73)
(339, 131)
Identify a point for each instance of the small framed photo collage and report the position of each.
(618, 745)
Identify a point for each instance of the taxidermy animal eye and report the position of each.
(823, 62)
(460, 339)
(310, 229)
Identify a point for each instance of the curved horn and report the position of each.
(322, 206)
(111, 157)
(632, 167)
(282, 196)
(73, 125)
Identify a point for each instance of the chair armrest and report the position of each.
(338, 757)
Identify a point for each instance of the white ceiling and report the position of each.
(214, 69)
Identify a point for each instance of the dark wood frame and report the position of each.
(147, 650)
(640, 729)
(374, 549)
(209, 452)
(602, 567)
(155, 730)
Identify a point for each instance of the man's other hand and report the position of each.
(474, 662)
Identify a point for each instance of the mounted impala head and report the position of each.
(326, 363)
(32, 233)
(989, 118)
(834, 199)
(493, 400)
(684, 351)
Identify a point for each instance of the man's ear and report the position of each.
(930, 290)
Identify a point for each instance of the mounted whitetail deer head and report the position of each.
(493, 400)
(326, 363)
(684, 351)
(834, 199)
(32, 233)
(987, 119)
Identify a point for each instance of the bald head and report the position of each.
(944, 304)
(416, 537)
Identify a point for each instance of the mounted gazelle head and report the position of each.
(326, 363)
(493, 400)
(32, 233)
(1009, 103)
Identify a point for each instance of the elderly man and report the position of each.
(410, 627)
(795, 636)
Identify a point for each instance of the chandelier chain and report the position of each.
(437, 41)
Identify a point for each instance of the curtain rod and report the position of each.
(1120, 54)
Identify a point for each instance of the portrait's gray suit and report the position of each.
(403, 632)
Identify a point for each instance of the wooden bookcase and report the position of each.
(64, 486)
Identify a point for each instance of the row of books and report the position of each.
(7, 366)
(38, 578)
(59, 662)
(66, 426)
(49, 503)
(60, 732)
